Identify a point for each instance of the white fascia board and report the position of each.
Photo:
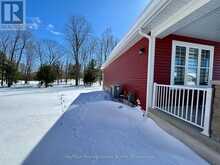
(122, 47)
(152, 9)
(177, 17)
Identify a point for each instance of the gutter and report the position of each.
(142, 33)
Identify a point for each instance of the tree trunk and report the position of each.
(9, 83)
(20, 56)
(66, 80)
(77, 81)
(2, 70)
(77, 73)
(2, 77)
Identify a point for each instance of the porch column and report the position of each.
(150, 72)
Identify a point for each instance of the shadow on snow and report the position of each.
(55, 147)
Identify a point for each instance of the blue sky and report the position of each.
(47, 18)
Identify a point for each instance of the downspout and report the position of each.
(150, 69)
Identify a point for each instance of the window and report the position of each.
(191, 64)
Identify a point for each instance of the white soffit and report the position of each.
(207, 27)
(193, 12)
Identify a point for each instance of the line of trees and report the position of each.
(24, 57)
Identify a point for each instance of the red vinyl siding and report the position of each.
(216, 69)
(130, 70)
(163, 57)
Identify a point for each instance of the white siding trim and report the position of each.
(150, 72)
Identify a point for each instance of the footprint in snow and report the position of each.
(120, 107)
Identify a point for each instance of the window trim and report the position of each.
(192, 45)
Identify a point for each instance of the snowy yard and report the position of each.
(37, 129)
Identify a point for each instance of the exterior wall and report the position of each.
(163, 57)
(130, 71)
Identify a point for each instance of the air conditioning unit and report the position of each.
(116, 91)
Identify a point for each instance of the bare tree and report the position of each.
(40, 52)
(12, 45)
(53, 52)
(25, 37)
(89, 51)
(14, 42)
(66, 70)
(77, 33)
(29, 60)
(106, 45)
(4, 42)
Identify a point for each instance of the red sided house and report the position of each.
(170, 58)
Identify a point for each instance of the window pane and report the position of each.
(180, 55)
(179, 75)
(193, 57)
(205, 58)
(192, 65)
(191, 78)
(204, 76)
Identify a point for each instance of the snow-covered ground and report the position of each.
(36, 129)
(35, 84)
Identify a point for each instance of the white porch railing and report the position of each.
(193, 105)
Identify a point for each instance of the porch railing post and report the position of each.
(154, 95)
(186, 110)
(207, 116)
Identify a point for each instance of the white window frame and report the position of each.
(192, 45)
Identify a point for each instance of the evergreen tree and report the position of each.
(2, 70)
(46, 75)
(8, 70)
(90, 73)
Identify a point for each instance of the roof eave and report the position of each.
(150, 11)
